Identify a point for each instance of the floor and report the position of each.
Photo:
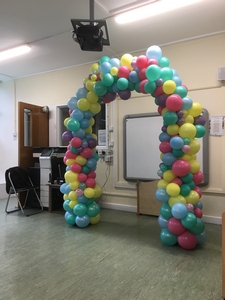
(120, 258)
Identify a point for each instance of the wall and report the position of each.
(196, 61)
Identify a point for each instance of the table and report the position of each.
(58, 197)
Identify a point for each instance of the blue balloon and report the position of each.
(88, 115)
(115, 88)
(175, 73)
(187, 103)
(154, 52)
(168, 158)
(201, 238)
(163, 223)
(177, 80)
(164, 136)
(79, 133)
(133, 77)
(68, 189)
(72, 103)
(176, 142)
(179, 210)
(85, 123)
(81, 93)
(63, 188)
(105, 67)
(82, 221)
(162, 195)
(82, 199)
(115, 62)
(199, 205)
(77, 114)
(91, 163)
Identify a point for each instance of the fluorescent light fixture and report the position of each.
(14, 52)
(152, 9)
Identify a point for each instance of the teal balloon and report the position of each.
(99, 88)
(201, 238)
(131, 86)
(163, 62)
(177, 152)
(167, 237)
(191, 184)
(165, 211)
(66, 206)
(153, 72)
(170, 118)
(122, 83)
(93, 210)
(150, 87)
(199, 227)
(107, 79)
(200, 131)
(136, 87)
(166, 74)
(185, 189)
(187, 178)
(80, 209)
(181, 91)
(189, 221)
(104, 59)
(70, 219)
(73, 125)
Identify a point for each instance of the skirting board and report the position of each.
(130, 208)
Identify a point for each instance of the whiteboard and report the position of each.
(141, 147)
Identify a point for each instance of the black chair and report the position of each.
(18, 181)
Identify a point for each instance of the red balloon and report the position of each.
(86, 152)
(76, 168)
(177, 181)
(158, 91)
(198, 177)
(160, 108)
(91, 174)
(181, 167)
(123, 71)
(198, 190)
(175, 226)
(142, 74)
(141, 61)
(90, 182)
(187, 240)
(76, 142)
(174, 102)
(82, 177)
(165, 147)
(198, 212)
(141, 86)
(70, 154)
(152, 61)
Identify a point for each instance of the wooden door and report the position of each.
(34, 134)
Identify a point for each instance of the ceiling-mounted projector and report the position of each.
(91, 35)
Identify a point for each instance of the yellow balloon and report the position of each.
(72, 195)
(189, 119)
(194, 147)
(95, 220)
(173, 129)
(169, 87)
(162, 184)
(81, 160)
(193, 197)
(186, 157)
(94, 67)
(92, 121)
(89, 193)
(196, 109)
(66, 121)
(126, 60)
(70, 161)
(168, 176)
(98, 191)
(75, 184)
(173, 189)
(88, 130)
(161, 155)
(187, 130)
(70, 176)
(195, 166)
(94, 136)
(114, 71)
(90, 85)
(83, 104)
(185, 113)
(194, 157)
(95, 108)
(94, 77)
(65, 197)
(164, 110)
(177, 199)
(72, 204)
(92, 97)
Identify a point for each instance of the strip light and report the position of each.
(152, 9)
(14, 52)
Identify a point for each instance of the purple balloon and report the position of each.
(67, 136)
(180, 121)
(110, 96)
(180, 114)
(124, 95)
(200, 120)
(163, 129)
(162, 100)
(92, 143)
(159, 82)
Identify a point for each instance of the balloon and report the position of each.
(196, 109)
(169, 87)
(82, 221)
(154, 52)
(192, 197)
(174, 102)
(176, 199)
(168, 159)
(164, 62)
(167, 237)
(99, 88)
(165, 211)
(201, 238)
(189, 221)
(162, 195)
(165, 147)
(176, 142)
(66, 206)
(70, 219)
(80, 209)
(187, 103)
(173, 189)
(162, 222)
(181, 167)
(200, 131)
(175, 226)
(168, 175)
(95, 220)
(187, 240)
(153, 72)
(187, 131)
(81, 93)
(198, 177)
(171, 118)
(179, 210)
(166, 74)
(93, 210)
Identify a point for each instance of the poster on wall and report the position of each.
(216, 125)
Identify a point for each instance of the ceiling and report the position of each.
(46, 27)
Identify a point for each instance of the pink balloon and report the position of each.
(190, 207)
(177, 181)
(175, 226)
(90, 182)
(82, 177)
(76, 168)
(198, 212)
(198, 177)
(186, 148)
(198, 190)
(79, 192)
(181, 167)
(76, 142)
(165, 147)
(187, 240)
(174, 102)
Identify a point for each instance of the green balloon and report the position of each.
(122, 83)
(136, 87)
(200, 131)
(167, 237)
(131, 86)
(163, 167)
(199, 227)
(181, 91)
(165, 211)
(104, 59)
(166, 74)
(177, 152)
(170, 118)
(163, 62)
(185, 189)
(187, 178)
(107, 79)
(150, 87)
(80, 209)
(93, 210)
(73, 125)
(99, 88)
(191, 184)
(153, 72)
(189, 221)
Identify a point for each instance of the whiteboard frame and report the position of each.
(204, 148)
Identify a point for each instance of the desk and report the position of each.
(57, 200)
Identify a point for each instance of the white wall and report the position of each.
(196, 61)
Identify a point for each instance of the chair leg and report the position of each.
(14, 210)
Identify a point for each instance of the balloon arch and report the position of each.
(179, 172)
